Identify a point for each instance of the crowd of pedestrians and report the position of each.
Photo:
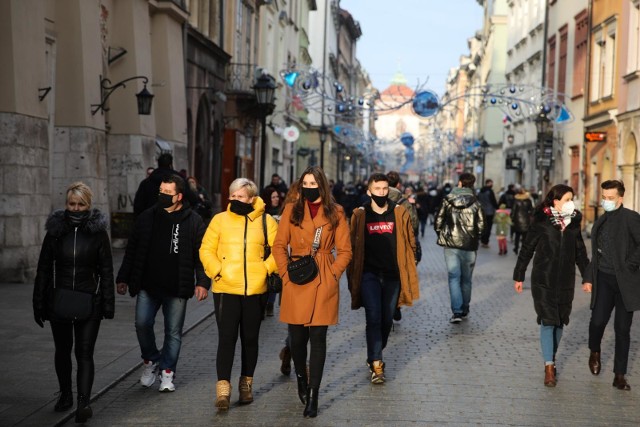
(315, 231)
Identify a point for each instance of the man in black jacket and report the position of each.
(613, 275)
(147, 194)
(159, 266)
(459, 224)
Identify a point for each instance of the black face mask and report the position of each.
(380, 200)
(165, 200)
(76, 218)
(311, 194)
(240, 208)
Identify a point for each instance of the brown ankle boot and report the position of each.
(550, 375)
(223, 395)
(244, 387)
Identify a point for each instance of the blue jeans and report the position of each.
(460, 265)
(549, 341)
(379, 299)
(174, 310)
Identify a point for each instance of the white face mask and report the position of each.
(568, 208)
(608, 205)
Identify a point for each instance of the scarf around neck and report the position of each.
(557, 218)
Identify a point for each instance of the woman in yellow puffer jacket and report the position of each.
(232, 254)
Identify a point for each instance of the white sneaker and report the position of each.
(166, 383)
(149, 373)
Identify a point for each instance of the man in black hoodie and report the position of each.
(159, 266)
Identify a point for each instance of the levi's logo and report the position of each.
(380, 227)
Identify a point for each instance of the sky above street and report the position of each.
(422, 38)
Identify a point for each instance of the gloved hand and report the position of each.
(38, 317)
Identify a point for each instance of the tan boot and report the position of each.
(550, 375)
(245, 390)
(223, 395)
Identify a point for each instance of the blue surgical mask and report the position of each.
(608, 205)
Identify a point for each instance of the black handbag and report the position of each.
(274, 281)
(305, 269)
(69, 304)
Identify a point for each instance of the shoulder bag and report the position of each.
(274, 282)
(305, 269)
(69, 304)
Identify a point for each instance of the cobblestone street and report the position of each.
(485, 371)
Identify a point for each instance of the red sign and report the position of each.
(595, 137)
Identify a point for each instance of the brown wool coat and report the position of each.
(315, 303)
(405, 257)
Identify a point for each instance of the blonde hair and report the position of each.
(239, 183)
(81, 190)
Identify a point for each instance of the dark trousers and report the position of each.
(317, 337)
(379, 299)
(486, 233)
(608, 297)
(520, 236)
(86, 333)
(233, 313)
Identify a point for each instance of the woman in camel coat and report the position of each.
(310, 308)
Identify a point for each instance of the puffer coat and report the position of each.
(315, 303)
(460, 221)
(75, 258)
(232, 251)
(521, 212)
(553, 274)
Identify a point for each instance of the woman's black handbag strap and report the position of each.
(267, 248)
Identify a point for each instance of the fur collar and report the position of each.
(58, 226)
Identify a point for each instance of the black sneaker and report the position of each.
(465, 315)
(397, 314)
(456, 318)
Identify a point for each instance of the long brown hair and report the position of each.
(328, 204)
(555, 193)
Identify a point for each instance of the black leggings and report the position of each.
(233, 312)
(86, 333)
(317, 336)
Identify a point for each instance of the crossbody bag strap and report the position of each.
(316, 241)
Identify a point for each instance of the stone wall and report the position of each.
(25, 199)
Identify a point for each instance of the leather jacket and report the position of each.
(460, 220)
(75, 258)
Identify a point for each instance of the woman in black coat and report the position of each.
(521, 217)
(76, 254)
(555, 237)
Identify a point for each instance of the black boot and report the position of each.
(65, 401)
(84, 411)
(302, 388)
(311, 410)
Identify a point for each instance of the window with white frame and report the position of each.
(597, 66)
(633, 56)
(608, 82)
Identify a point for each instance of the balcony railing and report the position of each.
(240, 77)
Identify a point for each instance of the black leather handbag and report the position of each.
(305, 269)
(69, 304)
(274, 281)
